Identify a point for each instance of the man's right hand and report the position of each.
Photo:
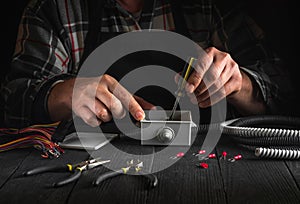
(95, 100)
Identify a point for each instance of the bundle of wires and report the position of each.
(37, 136)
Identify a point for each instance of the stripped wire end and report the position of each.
(37, 136)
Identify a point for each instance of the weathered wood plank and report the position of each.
(184, 182)
(294, 168)
(250, 180)
(256, 180)
(120, 189)
(10, 161)
(36, 189)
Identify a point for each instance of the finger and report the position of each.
(88, 117)
(218, 84)
(226, 90)
(126, 99)
(193, 98)
(111, 102)
(144, 104)
(131, 104)
(177, 77)
(221, 59)
(102, 112)
(203, 64)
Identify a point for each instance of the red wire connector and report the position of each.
(211, 156)
(224, 154)
(237, 157)
(203, 165)
(178, 155)
(199, 152)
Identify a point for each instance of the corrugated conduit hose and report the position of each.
(270, 136)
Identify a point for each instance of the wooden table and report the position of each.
(249, 180)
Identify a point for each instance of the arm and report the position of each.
(248, 99)
(217, 76)
(40, 85)
(256, 82)
(39, 62)
(95, 100)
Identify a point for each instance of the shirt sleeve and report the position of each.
(41, 58)
(235, 32)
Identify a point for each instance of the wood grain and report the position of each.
(249, 180)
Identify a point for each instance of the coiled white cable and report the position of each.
(277, 153)
(279, 143)
(260, 132)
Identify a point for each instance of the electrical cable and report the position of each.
(37, 136)
(277, 153)
(279, 138)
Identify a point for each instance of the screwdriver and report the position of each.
(181, 84)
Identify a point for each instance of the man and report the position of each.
(55, 37)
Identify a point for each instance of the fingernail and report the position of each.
(139, 115)
(190, 88)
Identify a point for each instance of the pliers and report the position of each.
(137, 166)
(77, 170)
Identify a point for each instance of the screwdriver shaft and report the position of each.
(181, 85)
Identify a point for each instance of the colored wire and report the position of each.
(37, 136)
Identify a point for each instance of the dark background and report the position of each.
(278, 18)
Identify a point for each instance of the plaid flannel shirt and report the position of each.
(51, 39)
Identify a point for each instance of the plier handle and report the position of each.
(77, 170)
(138, 169)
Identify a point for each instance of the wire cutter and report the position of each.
(77, 170)
(137, 166)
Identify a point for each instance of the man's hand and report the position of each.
(95, 100)
(217, 76)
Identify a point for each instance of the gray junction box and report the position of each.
(157, 129)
